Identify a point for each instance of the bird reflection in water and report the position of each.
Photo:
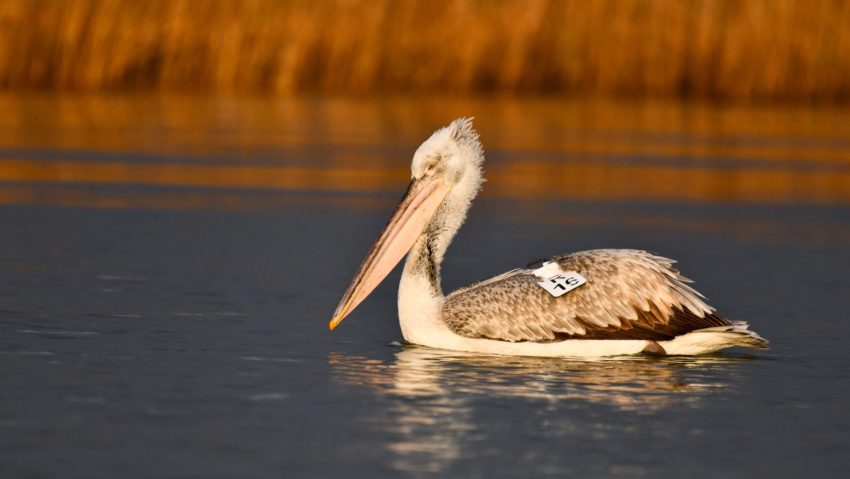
(432, 401)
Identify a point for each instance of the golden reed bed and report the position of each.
(760, 50)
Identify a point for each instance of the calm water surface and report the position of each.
(169, 266)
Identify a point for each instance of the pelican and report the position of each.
(605, 302)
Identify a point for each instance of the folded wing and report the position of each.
(629, 294)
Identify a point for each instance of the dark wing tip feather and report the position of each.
(649, 325)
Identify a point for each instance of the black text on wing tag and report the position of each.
(562, 283)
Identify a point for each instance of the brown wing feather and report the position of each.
(629, 294)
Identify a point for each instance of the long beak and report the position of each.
(411, 216)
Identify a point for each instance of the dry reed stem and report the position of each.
(713, 49)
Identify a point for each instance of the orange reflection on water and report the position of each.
(169, 124)
(595, 181)
(277, 177)
(516, 179)
(182, 199)
(538, 148)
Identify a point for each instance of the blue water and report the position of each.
(178, 331)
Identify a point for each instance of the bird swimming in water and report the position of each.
(594, 303)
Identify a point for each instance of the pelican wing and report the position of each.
(629, 294)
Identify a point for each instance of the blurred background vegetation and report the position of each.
(755, 51)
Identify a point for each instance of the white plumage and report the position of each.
(632, 302)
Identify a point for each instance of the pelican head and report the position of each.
(449, 153)
(445, 177)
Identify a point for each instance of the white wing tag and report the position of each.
(557, 282)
